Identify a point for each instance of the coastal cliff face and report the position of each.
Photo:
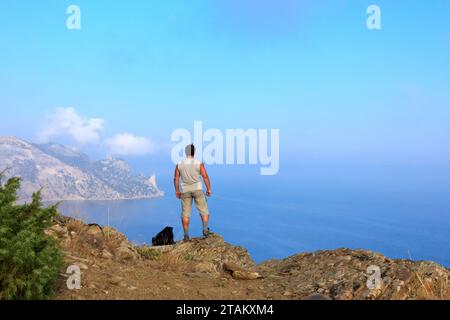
(66, 174)
(113, 268)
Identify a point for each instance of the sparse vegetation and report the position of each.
(167, 260)
(174, 262)
(149, 253)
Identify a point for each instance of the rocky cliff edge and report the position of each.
(113, 268)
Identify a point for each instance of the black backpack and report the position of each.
(163, 238)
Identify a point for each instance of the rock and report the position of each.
(239, 273)
(57, 232)
(211, 253)
(82, 266)
(125, 252)
(117, 281)
(106, 254)
(246, 275)
(95, 230)
(347, 279)
(71, 257)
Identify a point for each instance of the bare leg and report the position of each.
(185, 221)
(205, 219)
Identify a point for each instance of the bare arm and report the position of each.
(176, 182)
(206, 179)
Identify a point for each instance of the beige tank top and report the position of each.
(190, 175)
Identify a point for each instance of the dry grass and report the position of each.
(149, 253)
(88, 239)
(432, 289)
(167, 260)
(75, 226)
(173, 262)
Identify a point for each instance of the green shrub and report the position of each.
(30, 260)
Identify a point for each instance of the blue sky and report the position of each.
(338, 92)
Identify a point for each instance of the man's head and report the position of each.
(190, 150)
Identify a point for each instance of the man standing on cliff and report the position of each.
(191, 170)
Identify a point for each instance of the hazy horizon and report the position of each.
(337, 91)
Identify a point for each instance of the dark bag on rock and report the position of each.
(164, 238)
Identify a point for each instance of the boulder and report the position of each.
(106, 254)
(126, 252)
(94, 230)
(343, 274)
(240, 273)
(117, 281)
(208, 255)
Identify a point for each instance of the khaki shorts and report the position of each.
(200, 202)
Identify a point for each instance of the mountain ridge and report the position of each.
(64, 173)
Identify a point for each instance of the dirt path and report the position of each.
(145, 280)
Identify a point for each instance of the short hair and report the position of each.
(190, 150)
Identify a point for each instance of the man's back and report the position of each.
(191, 171)
(190, 175)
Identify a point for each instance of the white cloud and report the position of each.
(129, 144)
(66, 122)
